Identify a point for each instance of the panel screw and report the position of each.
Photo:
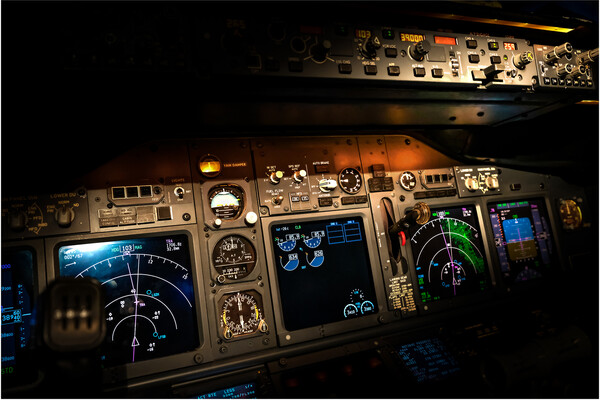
(186, 217)
(198, 358)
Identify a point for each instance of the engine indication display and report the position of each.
(234, 257)
(150, 308)
(448, 254)
(323, 271)
(523, 239)
(226, 201)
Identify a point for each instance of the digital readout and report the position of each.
(411, 37)
(510, 46)
(362, 33)
(444, 40)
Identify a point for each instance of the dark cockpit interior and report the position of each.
(300, 199)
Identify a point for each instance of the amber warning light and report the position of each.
(444, 40)
(210, 166)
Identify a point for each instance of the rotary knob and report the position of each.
(327, 185)
(419, 50)
(556, 53)
(17, 220)
(64, 216)
(299, 175)
(492, 182)
(319, 51)
(564, 70)
(588, 57)
(370, 46)
(472, 184)
(275, 177)
(521, 60)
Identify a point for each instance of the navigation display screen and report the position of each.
(150, 310)
(244, 391)
(428, 360)
(323, 271)
(523, 239)
(449, 255)
(17, 303)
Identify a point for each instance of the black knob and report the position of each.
(564, 70)
(521, 60)
(17, 220)
(588, 57)
(370, 46)
(556, 53)
(319, 51)
(418, 50)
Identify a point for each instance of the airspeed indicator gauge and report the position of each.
(350, 180)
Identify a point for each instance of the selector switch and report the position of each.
(275, 177)
(472, 184)
(327, 185)
(521, 60)
(419, 50)
(370, 46)
(64, 216)
(557, 52)
(299, 175)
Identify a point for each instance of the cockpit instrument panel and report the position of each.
(150, 303)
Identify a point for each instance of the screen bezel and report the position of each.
(555, 257)
(33, 373)
(161, 364)
(286, 337)
(444, 304)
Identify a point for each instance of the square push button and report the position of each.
(419, 72)
(345, 68)
(493, 45)
(371, 69)
(391, 52)
(163, 213)
(437, 73)
(471, 44)
(474, 58)
(393, 70)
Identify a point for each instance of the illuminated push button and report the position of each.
(17, 220)
(493, 45)
(471, 44)
(163, 213)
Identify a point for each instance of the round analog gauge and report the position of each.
(408, 181)
(241, 314)
(226, 201)
(350, 180)
(570, 214)
(234, 257)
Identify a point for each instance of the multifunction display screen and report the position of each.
(523, 239)
(17, 302)
(428, 360)
(150, 310)
(323, 271)
(449, 255)
(244, 391)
